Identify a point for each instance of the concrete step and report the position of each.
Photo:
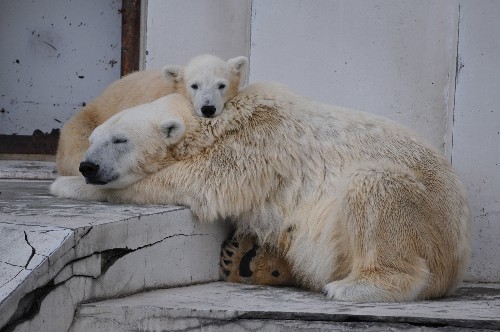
(56, 253)
(221, 306)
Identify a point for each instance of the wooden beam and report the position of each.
(26, 144)
(131, 36)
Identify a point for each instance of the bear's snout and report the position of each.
(88, 169)
(208, 111)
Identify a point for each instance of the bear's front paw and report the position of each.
(351, 291)
(75, 187)
(243, 261)
(335, 290)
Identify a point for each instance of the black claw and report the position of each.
(229, 253)
(244, 268)
(226, 272)
(227, 262)
(235, 244)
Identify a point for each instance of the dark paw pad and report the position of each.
(244, 268)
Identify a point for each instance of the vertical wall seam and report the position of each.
(249, 53)
(458, 67)
(143, 35)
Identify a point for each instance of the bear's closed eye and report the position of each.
(119, 140)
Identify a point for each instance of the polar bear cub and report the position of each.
(208, 81)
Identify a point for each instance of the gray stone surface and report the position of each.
(27, 170)
(222, 306)
(56, 253)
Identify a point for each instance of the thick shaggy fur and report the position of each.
(362, 208)
(132, 90)
(217, 81)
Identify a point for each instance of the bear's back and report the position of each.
(312, 145)
(269, 115)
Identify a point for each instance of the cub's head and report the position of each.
(208, 82)
(135, 142)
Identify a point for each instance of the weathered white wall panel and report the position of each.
(394, 58)
(55, 56)
(476, 130)
(178, 30)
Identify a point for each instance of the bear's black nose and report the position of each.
(208, 111)
(88, 169)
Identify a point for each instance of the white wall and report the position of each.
(178, 30)
(392, 57)
(55, 55)
(476, 129)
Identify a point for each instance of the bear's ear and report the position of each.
(239, 63)
(173, 129)
(173, 74)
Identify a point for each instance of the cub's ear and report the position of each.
(173, 129)
(239, 63)
(173, 74)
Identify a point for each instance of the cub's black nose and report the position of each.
(208, 111)
(88, 169)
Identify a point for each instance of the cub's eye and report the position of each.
(194, 86)
(221, 86)
(120, 140)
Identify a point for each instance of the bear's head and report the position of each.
(208, 82)
(135, 142)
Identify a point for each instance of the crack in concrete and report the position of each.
(163, 239)
(33, 251)
(84, 235)
(110, 256)
(11, 264)
(29, 305)
(14, 277)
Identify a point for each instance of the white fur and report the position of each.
(129, 137)
(360, 206)
(208, 81)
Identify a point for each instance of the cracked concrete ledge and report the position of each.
(223, 306)
(55, 253)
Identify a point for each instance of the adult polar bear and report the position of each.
(216, 81)
(361, 208)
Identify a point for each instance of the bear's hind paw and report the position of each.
(243, 261)
(228, 251)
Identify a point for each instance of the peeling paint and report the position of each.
(53, 57)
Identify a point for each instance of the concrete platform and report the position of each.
(56, 253)
(222, 306)
(27, 170)
(71, 265)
